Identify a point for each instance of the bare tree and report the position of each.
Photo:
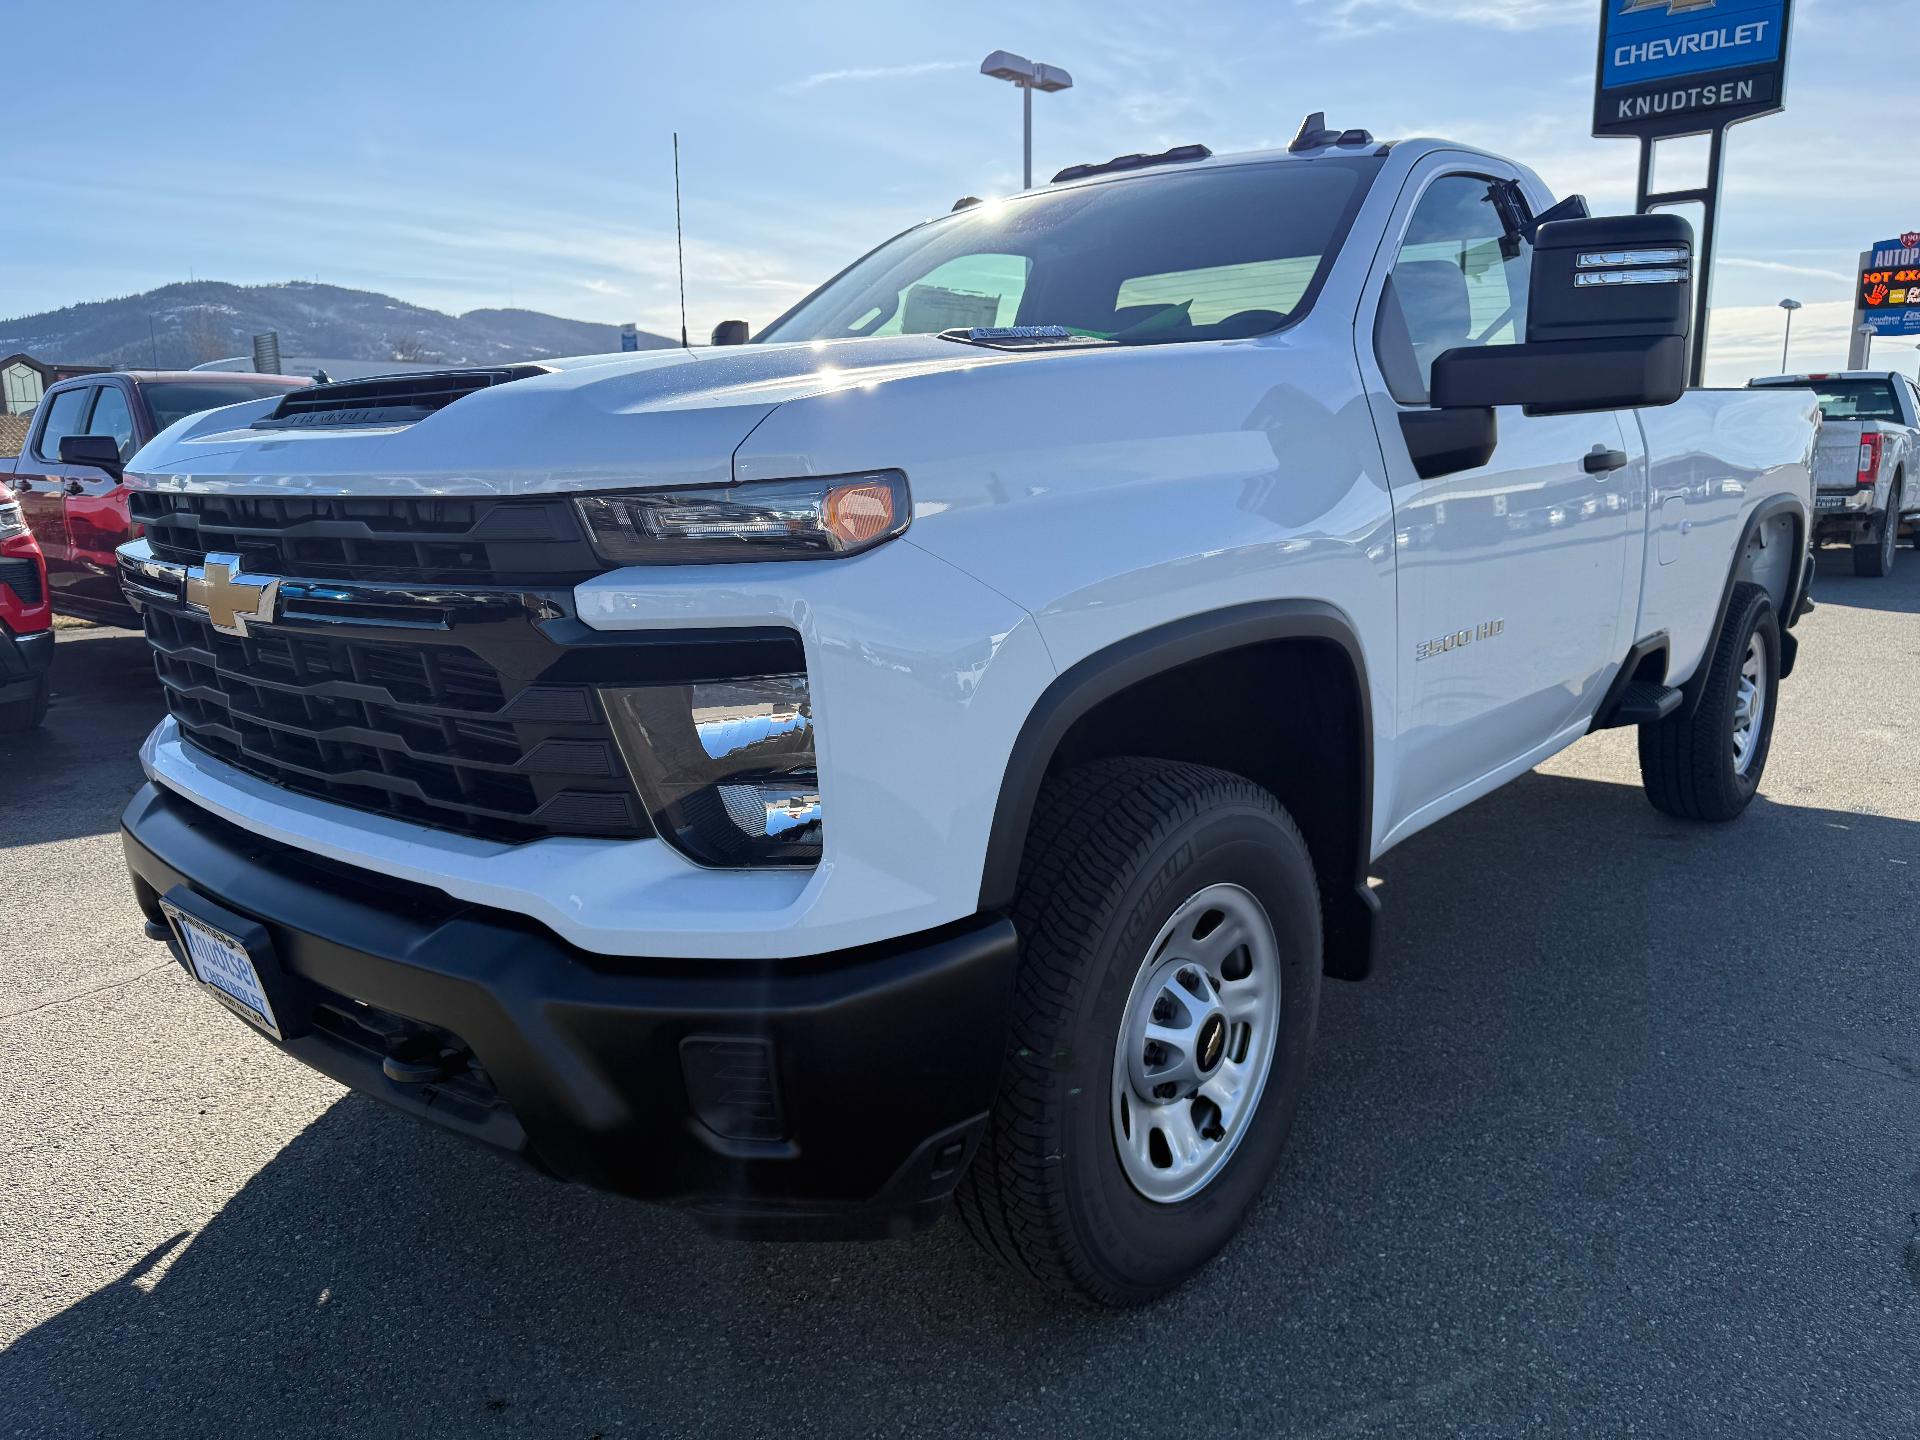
(205, 337)
(409, 347)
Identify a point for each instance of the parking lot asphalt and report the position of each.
(1623, 1137)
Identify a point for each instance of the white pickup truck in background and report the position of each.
(1866, 471)
(813, 780)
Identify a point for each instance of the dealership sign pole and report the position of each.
(1689, 67)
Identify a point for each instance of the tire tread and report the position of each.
(1684, 764)
(1089, 829)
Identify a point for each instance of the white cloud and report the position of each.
(1781, 267)
(1744, 341)
(873, 72)
(1365, 17)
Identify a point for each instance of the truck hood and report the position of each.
(666, 417)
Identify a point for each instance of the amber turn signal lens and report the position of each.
(859, 513)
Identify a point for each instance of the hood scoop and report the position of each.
(387, 399)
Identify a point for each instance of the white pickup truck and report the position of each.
(810, 779)
(1869, 447)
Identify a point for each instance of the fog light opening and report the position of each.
(726, 767)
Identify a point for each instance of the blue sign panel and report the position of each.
(1655, 40)
(1890, 286)
(1681, 67)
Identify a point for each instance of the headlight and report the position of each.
(726, 767)
(763, 520)
(11, 523)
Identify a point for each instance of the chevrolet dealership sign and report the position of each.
(1685, 67)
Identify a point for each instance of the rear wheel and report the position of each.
(1875, 558)
(25, 714)
(1168, 989)
(1707, 765)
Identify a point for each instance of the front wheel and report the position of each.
(1707, 765)
(1168, 988)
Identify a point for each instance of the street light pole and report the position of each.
(1026, 137)
(1029, 75)
(1789, 306)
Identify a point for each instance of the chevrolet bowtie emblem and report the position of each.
(229, 598)
(1672, 7)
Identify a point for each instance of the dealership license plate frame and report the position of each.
(230, 957)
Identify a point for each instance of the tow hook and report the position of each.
(421, 1060)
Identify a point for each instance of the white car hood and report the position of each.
(665, 417)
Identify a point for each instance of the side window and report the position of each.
(1458, 280)
(967, 291)
(66, 415)
(111, 417)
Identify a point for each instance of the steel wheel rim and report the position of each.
(1202, 1019)
(1749, 705)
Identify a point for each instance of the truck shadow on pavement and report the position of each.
(1620, 1088)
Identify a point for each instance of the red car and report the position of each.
(26, 622)
(67, 478)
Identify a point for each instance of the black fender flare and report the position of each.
(1797, 582)
(1105, 673)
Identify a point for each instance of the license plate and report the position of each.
(221, 963)
(1830, 502)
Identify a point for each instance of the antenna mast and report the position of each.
(679, 244)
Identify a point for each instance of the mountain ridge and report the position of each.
(191, 322)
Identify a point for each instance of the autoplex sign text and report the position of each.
(1890, 286)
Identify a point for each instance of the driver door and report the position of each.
(96, 507)
(1510, 575)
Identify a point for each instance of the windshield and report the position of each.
(172, 400)
(1847, 399)
(1208, 254)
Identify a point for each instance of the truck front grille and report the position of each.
(425, 732)
(415, 540)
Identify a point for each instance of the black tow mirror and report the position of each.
(1609, 312)
(100, 451)
(730, 332)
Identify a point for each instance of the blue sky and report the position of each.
(484, 153)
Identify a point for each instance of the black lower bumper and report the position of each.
(833, 1095)
(23, 662)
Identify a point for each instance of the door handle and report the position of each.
(1602, 461)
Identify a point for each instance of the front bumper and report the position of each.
(835, 1095)
(23, 662)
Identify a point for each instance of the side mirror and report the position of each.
(100, 451)
(730, 332)
(1609, 312)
